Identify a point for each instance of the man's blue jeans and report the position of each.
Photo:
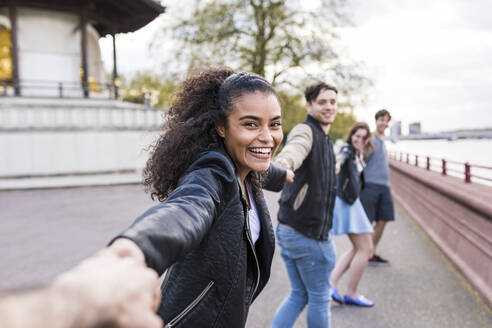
(309, 265)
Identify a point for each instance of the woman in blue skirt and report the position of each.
(350, 218)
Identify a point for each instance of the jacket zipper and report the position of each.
(190, 307)
(167, 274)
(250, 240)
(345, 184)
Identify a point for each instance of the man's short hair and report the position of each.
(312, 91)
(382, 113)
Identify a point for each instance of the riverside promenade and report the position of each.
(44, 232)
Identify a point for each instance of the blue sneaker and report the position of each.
(359, 301)
(335, 296)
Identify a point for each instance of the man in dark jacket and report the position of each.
(305, 212)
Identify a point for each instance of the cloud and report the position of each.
(429, 60)
(476, 14)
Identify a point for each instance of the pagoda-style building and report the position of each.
(50, 47)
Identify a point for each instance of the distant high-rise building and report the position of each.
(414, 128)
(396, 129)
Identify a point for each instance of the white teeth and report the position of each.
(261, 150)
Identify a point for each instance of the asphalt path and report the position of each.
(44, 232)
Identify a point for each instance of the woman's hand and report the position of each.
(123, 247)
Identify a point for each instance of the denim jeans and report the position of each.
(309, 265)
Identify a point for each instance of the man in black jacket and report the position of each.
(306, 209)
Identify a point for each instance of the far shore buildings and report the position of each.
(395, 131)
(414, 128)
(50, 47)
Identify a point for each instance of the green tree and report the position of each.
(282, 40)
(155, 87)
(285, 41)
(293, 110)
(341, 127)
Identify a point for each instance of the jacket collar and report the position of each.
(261, 206)
(315, 123)
(221, 149)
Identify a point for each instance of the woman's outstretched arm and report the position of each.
(170, 230)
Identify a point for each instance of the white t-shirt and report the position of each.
(254, 220)
(360, 163)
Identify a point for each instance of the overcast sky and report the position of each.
(431, 61)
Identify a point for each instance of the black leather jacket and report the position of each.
(349, 180)
(200, 233)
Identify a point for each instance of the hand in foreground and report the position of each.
(123, 247)
(109, 289)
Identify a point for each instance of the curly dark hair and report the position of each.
(202, 102)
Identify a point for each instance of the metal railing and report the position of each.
(77, 117)
(445, 167)
(60, 89)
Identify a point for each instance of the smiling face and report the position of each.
(253, 132)
(381, 124)
(359, 139)
(324, 107)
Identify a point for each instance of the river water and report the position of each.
(474, 151)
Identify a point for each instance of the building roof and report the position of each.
(107, 16)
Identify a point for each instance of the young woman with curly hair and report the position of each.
(212, 231)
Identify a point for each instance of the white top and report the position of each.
(254, 220)
(360, 163)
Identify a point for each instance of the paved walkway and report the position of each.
(44, 232)
(419, 289)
